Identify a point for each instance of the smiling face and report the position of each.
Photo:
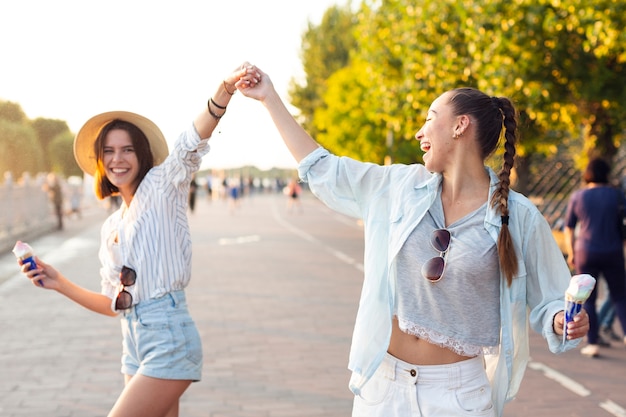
(436, 135)
(121, 165)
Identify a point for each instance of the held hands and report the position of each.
(575, 329)
(44, 276)
(244, 76)
(256, 84)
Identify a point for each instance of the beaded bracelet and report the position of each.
(226, 88)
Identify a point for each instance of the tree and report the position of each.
(20, 149)
(34, 146)
(12, 112)
(61, 155)
(406, 70)
(344, 124)
(580, 61)
(325, 49)
(562, 63)
(47, 130)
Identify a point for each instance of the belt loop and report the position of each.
(454, 377)
(388, 367)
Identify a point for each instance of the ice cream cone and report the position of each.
(579, 289)
(25, 253)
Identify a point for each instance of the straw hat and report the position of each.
(86, 137)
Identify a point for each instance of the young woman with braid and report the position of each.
(454, 261)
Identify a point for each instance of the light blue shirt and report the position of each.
(152, 234)
(391, 201)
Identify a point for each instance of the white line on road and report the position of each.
(225, 241)
(576, 388)
(336, 253)
(565, 381)
(613, 408)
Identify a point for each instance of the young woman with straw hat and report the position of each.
(145, 250)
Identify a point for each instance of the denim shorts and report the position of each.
(399, 389)
(160, 340)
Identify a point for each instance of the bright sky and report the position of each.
(72, 59)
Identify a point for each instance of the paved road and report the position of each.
(274, 295)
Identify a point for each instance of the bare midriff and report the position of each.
(412, 349)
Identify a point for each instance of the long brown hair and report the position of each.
(496, 121)
(103, 187)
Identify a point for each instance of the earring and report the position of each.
(455, 136)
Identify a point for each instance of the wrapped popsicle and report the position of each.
(580, 287)
(25, 253)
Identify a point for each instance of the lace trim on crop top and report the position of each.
(438, 339)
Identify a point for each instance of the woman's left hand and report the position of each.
(575, 329)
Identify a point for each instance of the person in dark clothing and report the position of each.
(55, 193)
(596, 248)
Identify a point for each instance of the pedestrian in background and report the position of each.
(457, 265)
(594, 243)
(145, 251)
(293, 190)
(606, 318)
(55, 194)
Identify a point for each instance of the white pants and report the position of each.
(399, 389)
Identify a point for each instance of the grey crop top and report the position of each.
(460, 312)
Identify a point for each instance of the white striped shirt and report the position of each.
(153, 236)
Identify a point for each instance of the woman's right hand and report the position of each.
(43, 276)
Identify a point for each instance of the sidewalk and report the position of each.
(274, 295)
(275, 332)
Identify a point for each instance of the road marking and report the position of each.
(576, 388)
(565, 381)
(613, 408)
(225, 241)
(304, 235)
(345, 258)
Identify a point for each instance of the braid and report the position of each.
(496, 122)
(500, 200)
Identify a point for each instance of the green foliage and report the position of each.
(566, 69)
(12, 112)
(61, 155)
(561, 62)
(346, 124)
(20, 149)
(34, 146)
(325, 49)
(47, 130)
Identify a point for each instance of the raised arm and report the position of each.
(298, 141)
(216, 106)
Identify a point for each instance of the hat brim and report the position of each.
(87, 135)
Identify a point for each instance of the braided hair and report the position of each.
(495, 119)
